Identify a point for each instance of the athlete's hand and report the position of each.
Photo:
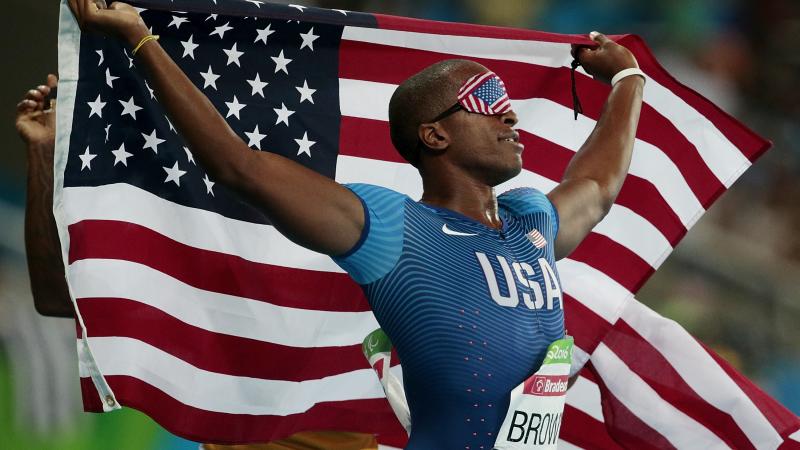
(119, 20)
(605, 60)
(36, 122)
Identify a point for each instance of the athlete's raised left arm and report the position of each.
(595, 174)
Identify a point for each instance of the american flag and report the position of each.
(193, 309)
(484, 93)
(536, 238)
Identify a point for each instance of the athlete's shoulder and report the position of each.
(524, 201)
(381, 241)
(373, 192)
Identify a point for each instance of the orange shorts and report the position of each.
(310, 440)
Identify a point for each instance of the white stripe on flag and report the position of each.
(585, 396)
(195, 227)
(226, 393)
(635, 394)
(599, 292)
(701, 372)
(219, 313)
(548, 54)
(647, 241)
(721, 156)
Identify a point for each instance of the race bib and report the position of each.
(534, 414)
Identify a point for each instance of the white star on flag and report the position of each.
(121, 156)
(308, 39)
(211, 16)
(129, 108)
(108, 128)
(171, 127)
(189, 156)
(304, 145)
(177, 21)
(343, 11)
(255, 2)
(281, 63)
(264, 34)
(209, 78)
(257, 85)
(209, 185)
(305, 92)
(220, 30)
(254, 138)
(283, 114)
(233, 55)
(86, 159)
(189, 46)
(152, 141)
(110, 78)
(149, 89)
(174, 174)
(102, 57)
(234, 108)
(301, 8)
(97, 107)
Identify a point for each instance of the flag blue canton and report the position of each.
(490, 91)
(275, 81)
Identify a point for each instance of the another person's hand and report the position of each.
(605, 60)
(36, 122)
(119, 20)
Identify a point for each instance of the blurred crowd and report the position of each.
(734, 282)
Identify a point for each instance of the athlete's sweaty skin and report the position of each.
(461, 159)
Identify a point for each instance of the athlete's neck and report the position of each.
(464, 195)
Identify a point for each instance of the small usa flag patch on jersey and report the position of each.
(536, 238)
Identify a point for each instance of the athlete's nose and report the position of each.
(510, 118)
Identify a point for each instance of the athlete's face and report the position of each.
(484, 144)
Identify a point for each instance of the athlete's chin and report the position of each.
(501, 175)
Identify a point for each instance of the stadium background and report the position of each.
(733, 282)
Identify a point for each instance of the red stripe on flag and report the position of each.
(215, 271)
(462, 29)
(584, 325)
(624, 426)
(531, 81)
(652, 367)
(372, 416)
(614, 260)
(212, 351)
(783, 420)
(583, 430)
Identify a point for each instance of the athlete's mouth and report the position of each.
(510, 137)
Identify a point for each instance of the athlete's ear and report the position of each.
(434, 136)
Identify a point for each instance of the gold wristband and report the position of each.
(146, 39)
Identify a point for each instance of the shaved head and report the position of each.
(421, 98)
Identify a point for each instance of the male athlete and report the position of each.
(462, 281)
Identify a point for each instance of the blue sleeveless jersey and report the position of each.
(469, 309)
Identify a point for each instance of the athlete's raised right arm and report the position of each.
(306, 207)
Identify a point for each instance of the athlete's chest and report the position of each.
(512, 267)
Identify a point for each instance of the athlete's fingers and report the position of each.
(25, 106)
(35, 95)
(598, 37)
(52, 80)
